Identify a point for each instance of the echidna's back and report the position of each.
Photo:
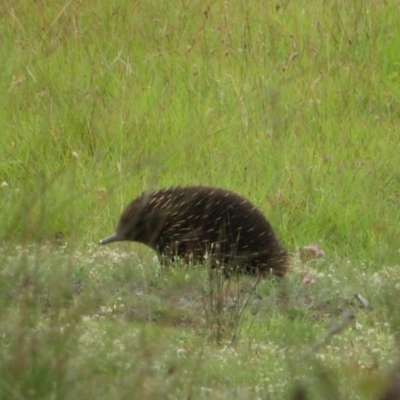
(198, 221)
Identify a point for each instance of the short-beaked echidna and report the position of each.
(198, 223)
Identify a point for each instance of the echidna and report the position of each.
(198, 223)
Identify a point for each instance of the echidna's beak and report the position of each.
(110, 239)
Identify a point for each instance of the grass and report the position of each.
(293, 105)
(91, 324)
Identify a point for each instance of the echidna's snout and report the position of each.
(110, 239)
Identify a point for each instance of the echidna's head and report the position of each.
(137, 224)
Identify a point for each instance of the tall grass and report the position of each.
(295, 106)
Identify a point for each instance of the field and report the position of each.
(294, 105)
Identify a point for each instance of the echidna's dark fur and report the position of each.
(198, 222)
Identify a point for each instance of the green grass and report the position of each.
(90, 324)
(294, 105)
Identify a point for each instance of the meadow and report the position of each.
(294, 105)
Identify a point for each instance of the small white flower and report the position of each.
(74, 154)
(181, 352)
(4, 184)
